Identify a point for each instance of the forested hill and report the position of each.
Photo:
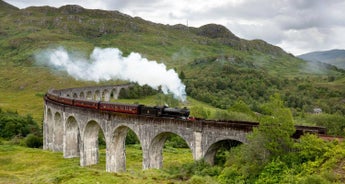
(217, 67)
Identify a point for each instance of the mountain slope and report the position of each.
(5, 7)
(26, 31)
(219, 67)
(42, 26)
(333, 57)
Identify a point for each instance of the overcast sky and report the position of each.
(297, 26)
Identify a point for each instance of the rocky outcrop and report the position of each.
(216, 31)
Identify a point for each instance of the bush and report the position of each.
(33, 141)
(137, 91)
(231, 175)
(12, 124)
(132, 138)
(17, 140)
(335, 123)
(315, 179)
(176, 141)
(310, 148)
(273, 172)
(200, 168)
(200, 180)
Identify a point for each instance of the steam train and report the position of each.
(139, 109)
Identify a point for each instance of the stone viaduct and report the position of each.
(74, 131)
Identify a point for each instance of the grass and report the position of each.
(22, 87)
(27, 165)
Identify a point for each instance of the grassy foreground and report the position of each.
(26, 165)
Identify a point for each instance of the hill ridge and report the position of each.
(5, 7)
(334, 57)
(113, 19)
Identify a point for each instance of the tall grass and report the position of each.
(27, 165)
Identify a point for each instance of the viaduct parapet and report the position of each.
(103, 93)
(74, 131)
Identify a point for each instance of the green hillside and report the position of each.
(218, 67)
(334, 57)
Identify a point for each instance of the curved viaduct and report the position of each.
(74, 131)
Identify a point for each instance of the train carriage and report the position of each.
(66, 100)
(87, 104)
(118, 107)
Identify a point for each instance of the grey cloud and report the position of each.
(125, 4)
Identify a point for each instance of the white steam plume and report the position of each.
(108, 63)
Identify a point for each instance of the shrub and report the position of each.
(231, 175)
(33, 141)
(132, 138)
(176, 141)
(200, 180)
(273, 172)
(315, 179)
(200, 168)
(12, 124)
(335, 123)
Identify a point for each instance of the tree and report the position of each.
(276, 128)
(269, 141)
(12, 124)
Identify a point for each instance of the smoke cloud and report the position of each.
(108, 63)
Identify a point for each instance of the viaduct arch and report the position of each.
(74, 131)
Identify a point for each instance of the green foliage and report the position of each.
(231, 175)
(182, 76)
(277, 128)
(241, 106)
(176, 141)
(195, 179)
(12, 124)
(310, 148)
(33, 141)
(199, 112)
(272, 172)
(311, 160)
(168, 99)
(221, 82)
(238, 111)
(273, 136)
(224, 151)
(315, 179)
(335, 123)
(267, 143)
(131, 138)
(136, 91)
(230, 115)
(199, 168)
(101, 139)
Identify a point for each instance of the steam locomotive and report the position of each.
(139, 109)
